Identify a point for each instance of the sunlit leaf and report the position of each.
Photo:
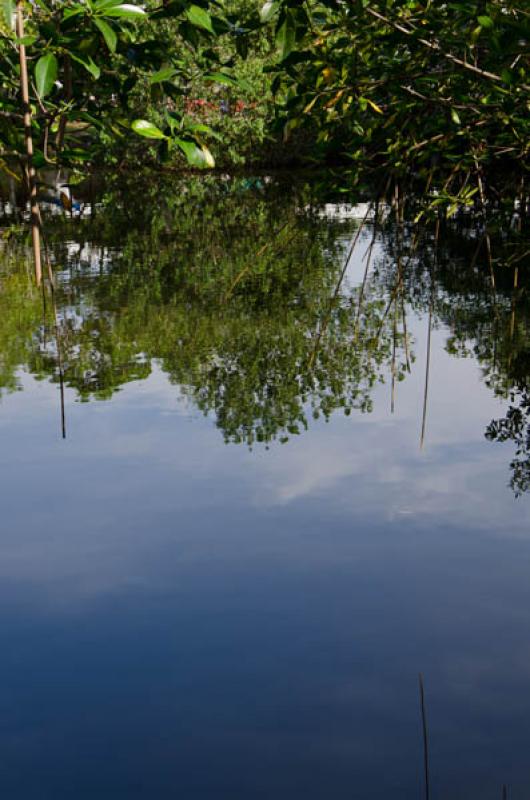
(108, 33)
(221, 77)
(46, 70)
(148, 129)
(7, 12)
(197, 156)
(268, 10)
(124, 11)
(200, 18)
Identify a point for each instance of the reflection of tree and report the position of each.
(515, 427)
(231, 289)
(485, 308)
(20, 319)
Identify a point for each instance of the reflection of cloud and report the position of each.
(300, 470)
(355, 473)
(145, 480)
(372, 464)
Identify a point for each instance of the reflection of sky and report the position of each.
(182, 618)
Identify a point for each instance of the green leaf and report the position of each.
(200, 127)
(72, 12)
(285, 37)
(196, 156)
(145, 128)
(123, 10)
(268, 10)
(27, 41)
(485, 22)
(102, 5)
(46, 70)
(221, 77)
(108, 33)
(162, 75)
(455, 116)
(88, 63)
(200, 18)
(7, 11)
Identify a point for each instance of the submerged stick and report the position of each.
(405, 332)
(426, 387)
(246, 268)
(425, 739)
(58, 345)
(394, 348)
(487, 240)
(429, 336)
(30, 169)
(368, 257)
(399, 231)
(335, 295)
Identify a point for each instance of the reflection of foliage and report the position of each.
(20, 318)
(230, 287)
(484, 305)
(515, 427)
(255, 370)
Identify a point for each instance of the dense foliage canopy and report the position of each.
(413, 87)
(423, 89)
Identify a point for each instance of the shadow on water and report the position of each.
(266, 304)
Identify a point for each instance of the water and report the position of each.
(226, 579)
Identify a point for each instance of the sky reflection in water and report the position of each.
(185, 618)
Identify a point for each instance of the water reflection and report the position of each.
(234, 295)
(182, 618)
(245, 293)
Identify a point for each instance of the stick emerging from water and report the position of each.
(425, 739)
(429, 336)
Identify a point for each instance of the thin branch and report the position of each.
(436, 46)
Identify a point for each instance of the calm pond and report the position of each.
(293, 478)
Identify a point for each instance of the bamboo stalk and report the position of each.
(30, 169)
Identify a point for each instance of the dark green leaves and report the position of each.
(286, 37)
(88, 63)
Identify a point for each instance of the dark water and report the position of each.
(225, 581)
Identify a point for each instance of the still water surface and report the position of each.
(220, 584)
